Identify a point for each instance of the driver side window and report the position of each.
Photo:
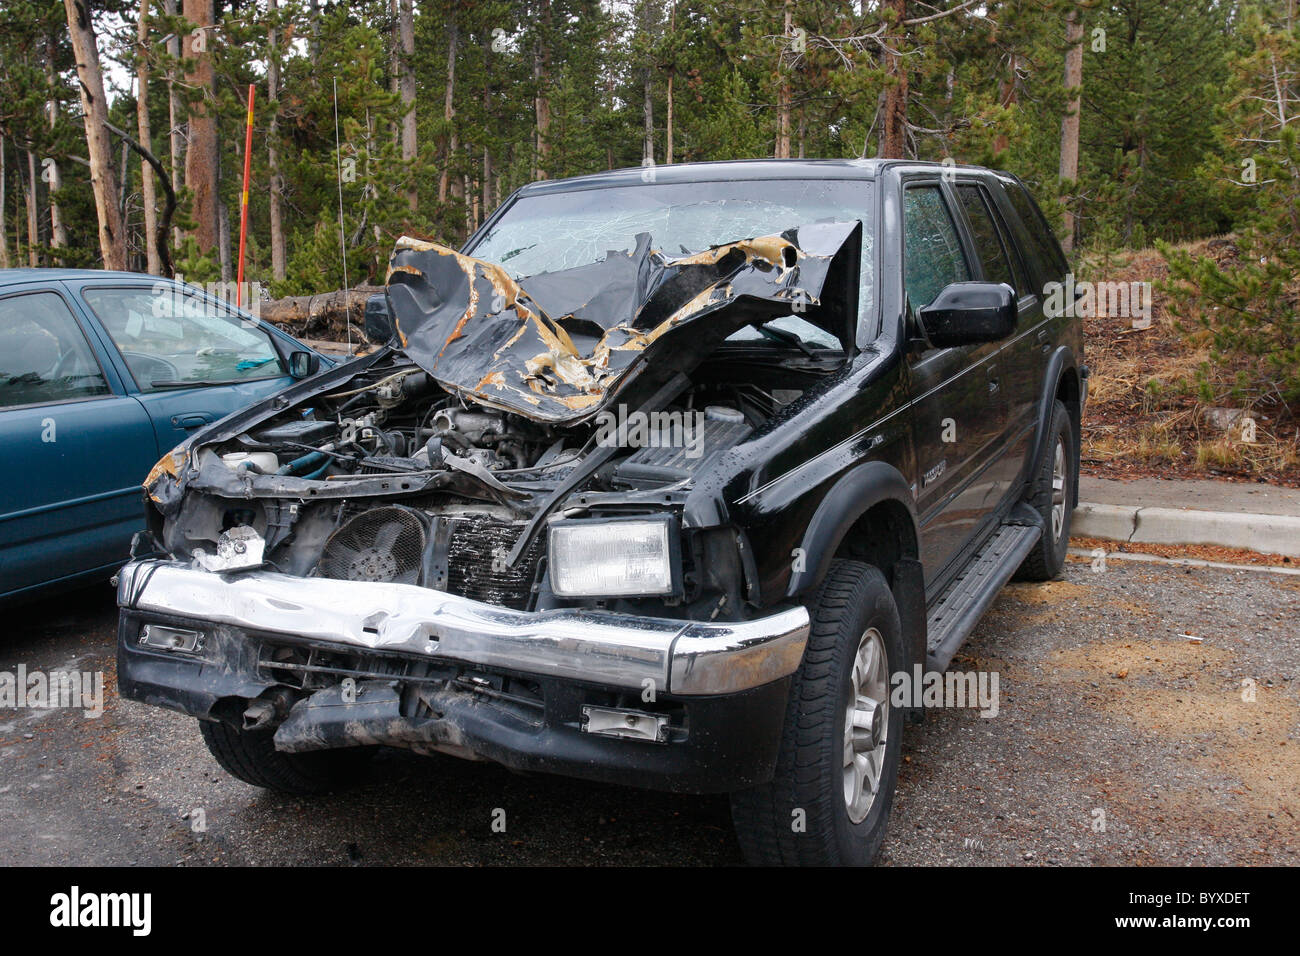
(44, 355)
(932, 253)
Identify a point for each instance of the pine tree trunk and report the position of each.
(272, 150)
(893, 138)
(94, 107)
(542, 79)
(668, 117)
(409, 151)
(33, 224)
(313, 22)
(782, 150)
(1070, 121)
(58, 230)
(173, 110)
(449, 109)
(201, 156)
(648, 119)
(668, 124)
(153, 261)
(4, 223)
(223, 243)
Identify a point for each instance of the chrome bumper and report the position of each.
(621, 650)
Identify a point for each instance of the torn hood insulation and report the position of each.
(556, 347)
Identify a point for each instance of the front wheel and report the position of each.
(250, 756)
(829, 801)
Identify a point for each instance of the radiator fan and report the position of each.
(383, 544)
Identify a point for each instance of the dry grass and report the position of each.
(1146, 411)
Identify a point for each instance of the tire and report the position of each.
(250, 756)
(1051, 495)
(853, 607)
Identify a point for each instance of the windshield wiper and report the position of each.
(777, 334)
(172, 383)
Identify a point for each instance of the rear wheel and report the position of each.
(1052, 496)
(829, 801)
(250, 755)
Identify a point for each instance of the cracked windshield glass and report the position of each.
(563, 230)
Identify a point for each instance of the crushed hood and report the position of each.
(558, 346)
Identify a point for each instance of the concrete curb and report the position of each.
(1267, 534)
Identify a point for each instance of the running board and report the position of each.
(959, 608)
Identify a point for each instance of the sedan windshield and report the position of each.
(562, 230)
(171, 338)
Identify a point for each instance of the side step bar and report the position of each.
(963, 602)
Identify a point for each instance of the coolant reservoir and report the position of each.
(264, 461)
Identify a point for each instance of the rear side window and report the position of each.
(44, 355)
(1043, 247)
(988, 243)
(932, 256)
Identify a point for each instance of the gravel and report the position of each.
(1164, 764)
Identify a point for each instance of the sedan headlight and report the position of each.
(613, 557)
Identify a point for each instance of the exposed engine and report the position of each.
(391, 479)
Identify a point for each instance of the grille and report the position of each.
(477, 547)
(382, 544)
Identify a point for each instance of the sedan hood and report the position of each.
(557, 347)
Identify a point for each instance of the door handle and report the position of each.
(190, 421)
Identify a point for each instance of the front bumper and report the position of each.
(683, 658)
(434, 673)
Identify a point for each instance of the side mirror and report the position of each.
(303, 364)
(379, 321)
(968, 313)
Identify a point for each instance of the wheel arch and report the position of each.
(868, 516)
(1062, 381)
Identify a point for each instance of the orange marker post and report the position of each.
(243, 202)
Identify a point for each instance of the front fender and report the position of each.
(859, 490)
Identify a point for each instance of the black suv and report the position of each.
(671, 477)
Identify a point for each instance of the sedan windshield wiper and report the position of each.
(172, 383)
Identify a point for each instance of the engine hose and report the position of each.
(306, 461)
(319, 471)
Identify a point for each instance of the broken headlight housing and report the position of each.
(614, 557)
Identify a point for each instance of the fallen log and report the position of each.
(326, 315)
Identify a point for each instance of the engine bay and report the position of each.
(389, 478)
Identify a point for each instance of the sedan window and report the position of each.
(170, 338)
(44, 355)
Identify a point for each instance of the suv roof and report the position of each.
(738, 169)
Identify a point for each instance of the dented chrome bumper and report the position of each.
(674, 657)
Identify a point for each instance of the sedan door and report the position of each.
(188, 358)
(75, 449)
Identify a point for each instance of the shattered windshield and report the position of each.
(563, 230)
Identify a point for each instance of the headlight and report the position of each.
(612, 557)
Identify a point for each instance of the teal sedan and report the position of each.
(101, 373)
